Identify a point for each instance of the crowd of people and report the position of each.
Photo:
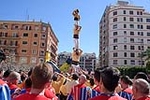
(41, 83)
(74, 83)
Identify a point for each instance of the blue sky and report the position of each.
(59, 14)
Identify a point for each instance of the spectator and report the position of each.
(72, 83)
(4, 91)
(40, 77)
(1, 73)
(79, 91)
(109, 78)
(96, 80)
(13, 80)
(141, 89)
(126, 83)
(142, 75)
(58, 80)
(6, 74)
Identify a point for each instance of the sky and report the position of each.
(59, 14)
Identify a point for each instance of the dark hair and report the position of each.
(54, 78)
(75, 76)
(97, 75)
(126, 80)
(110, 77)
(6, 73)
(91, 81)
(30, 72)
(28, 83)
(142, 75)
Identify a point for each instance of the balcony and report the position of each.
(10, 37)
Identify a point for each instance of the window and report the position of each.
(142, 34)
(115, 26)
(125, 32)
(115, 33)
(44, 28)
(33, 60)
(125, 47)
(131, 40)
(15, 27)
(36, 28)
(115, 62)
(125, 62)
(131, 12)
(124, 12)
(148, 33)
(34, 52)
(148, 26)
(115, 54)
(125, 40)
(114, 13)
(132, 54)
(115, 20)
(14, 35)
(131, 26)
(115, 40)
(131, 33)
(140, 26)
(42, 53)
(148, 40)
(131, 19)
(139, 47)
(148, 20)
(115, 47)
(132, 47)
(132, 62)
(125, 54)
(24, 51)
(24, 42)
(35, 35)
(138, 19)
(138, 13)
(124, 26)
(42, 44)
(34, 43)
(43, 36)
(124, 18)
(25, 34)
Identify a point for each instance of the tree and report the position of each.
(146, 54)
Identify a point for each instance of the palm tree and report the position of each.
(146, 54)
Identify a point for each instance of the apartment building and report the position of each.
(124, 35)
(27, 42)
(87, 60)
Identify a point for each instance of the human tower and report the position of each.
(76, 50)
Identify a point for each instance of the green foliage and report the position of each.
(131, 71)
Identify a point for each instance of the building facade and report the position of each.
(27, 42)
(87, 60)
(124, 35)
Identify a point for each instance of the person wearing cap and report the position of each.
(141, 89)
(109, 78)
